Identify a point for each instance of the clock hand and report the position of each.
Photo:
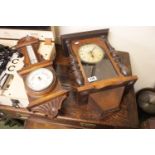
(39, 78)
(93, 49)
(91, 52)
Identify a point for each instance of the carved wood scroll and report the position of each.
(50, 108)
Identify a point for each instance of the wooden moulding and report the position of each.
(81, 35)
(35, 66)
(47, 98)
(114, 82)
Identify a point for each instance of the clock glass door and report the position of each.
(95, 62)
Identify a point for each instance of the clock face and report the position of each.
(91, 53)
(40, 79)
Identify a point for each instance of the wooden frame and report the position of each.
(81, 35)
(99, 42)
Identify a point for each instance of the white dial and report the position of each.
(91, 53)
(40, 79)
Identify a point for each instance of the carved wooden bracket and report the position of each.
(50, 108)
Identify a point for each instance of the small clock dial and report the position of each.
(40, 79)
(91, 53)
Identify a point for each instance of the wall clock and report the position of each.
(96, 68)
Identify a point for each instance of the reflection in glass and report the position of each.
(95, 62)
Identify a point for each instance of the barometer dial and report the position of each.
(40, 79)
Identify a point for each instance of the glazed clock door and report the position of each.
(95, 61)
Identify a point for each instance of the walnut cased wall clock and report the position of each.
(96, 68)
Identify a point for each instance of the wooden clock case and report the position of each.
(48, 101)
(105, 94)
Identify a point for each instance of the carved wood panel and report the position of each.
(50, 108)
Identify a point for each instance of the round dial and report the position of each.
(91, 53)
(40, 79)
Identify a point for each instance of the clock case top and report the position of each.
(105, 93)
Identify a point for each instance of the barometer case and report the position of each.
(43, 88)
